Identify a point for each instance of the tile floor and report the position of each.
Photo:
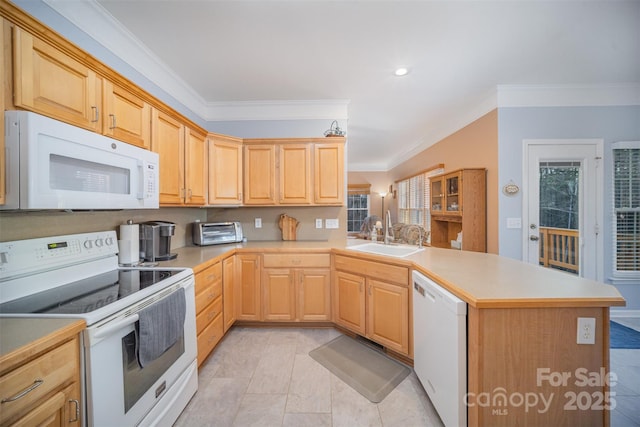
(626, 365)
(265, 377)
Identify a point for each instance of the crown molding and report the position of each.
(278, 110)
(94, 20)
(603, 95)
(91, 18)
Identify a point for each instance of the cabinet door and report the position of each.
(247, 289)
(167, 139)
(453, 193)
(195, 168)
(349, 301)
(437, 195)
(295, 174)
(228, 284)
(314, 295)
(225, 171)
(329, 173)
(5, 82)
(51, 83)
(278, 294)
(125, 116)
(59, 410)
(259, 175)
(388, 318)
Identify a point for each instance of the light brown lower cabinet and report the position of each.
(209, 319)
(247, 287)
(296, 294)
(296, 287)
(228, 297)
(374, 308)
(45, 390)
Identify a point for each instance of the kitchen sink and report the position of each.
(395, 250)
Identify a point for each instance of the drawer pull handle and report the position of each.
(296, 261)
(37, 383)
(77, 411)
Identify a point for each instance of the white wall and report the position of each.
(617, 123)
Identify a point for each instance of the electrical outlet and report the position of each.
(318, 222)
(258, 223)
(586, 330)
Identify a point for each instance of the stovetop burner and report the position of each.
(87, 295)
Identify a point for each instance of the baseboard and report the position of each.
(613, 313)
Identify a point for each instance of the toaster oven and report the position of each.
(216, 233)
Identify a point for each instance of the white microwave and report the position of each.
(53, 165)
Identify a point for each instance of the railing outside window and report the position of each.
(559, 249)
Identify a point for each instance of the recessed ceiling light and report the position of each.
(401, 72)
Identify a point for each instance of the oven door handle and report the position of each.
(114, 327)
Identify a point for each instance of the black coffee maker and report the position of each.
(155, 240)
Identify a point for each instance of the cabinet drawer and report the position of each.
(208, 339)
(377, 270)
(207, 315)
(208, 276)
(207, 295)
(296, 260)
(55, 369)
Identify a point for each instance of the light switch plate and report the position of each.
(514, 222)
(258, 223)
(331, 223)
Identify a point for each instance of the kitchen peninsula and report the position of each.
(521, 328)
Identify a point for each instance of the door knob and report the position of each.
(534, 238)
(533, 226)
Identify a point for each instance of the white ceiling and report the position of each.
(223, 54)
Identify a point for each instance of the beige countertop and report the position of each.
(482, 280)
(22, 337)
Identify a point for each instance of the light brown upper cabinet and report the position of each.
(295, 174)
(259, 174)
(195, 178)
(125, 116)
(167, 139)
(52, 83)
(329, 173)
(295, 171)
(183, 164)
(225, 170)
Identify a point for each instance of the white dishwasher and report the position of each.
(440, 348)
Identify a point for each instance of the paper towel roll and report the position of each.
(129, 244)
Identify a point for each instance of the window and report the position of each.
(357, 206)
(414, 196)
(626, 210)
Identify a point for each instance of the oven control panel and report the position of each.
(25, 256)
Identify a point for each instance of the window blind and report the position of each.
(414, 198)
(626, 209)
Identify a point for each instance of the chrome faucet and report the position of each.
(388, 230)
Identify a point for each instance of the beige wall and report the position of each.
(306, 217)
(29, 225)
(475, 145)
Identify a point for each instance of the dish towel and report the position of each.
(160, 325)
